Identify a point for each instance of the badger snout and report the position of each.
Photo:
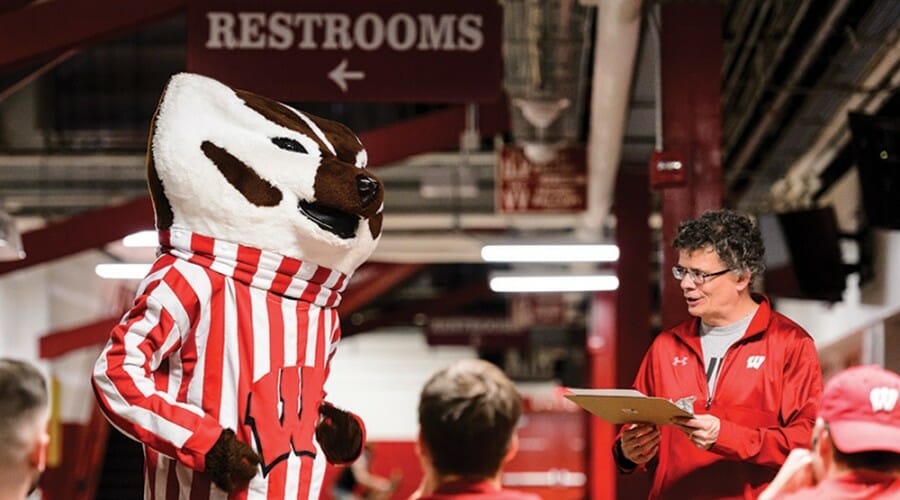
(368, 189)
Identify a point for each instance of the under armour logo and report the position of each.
(755, 362)
(883, 399)
(682, 361)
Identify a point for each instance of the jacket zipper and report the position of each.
(709, 397)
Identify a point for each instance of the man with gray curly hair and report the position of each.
(750, 375)
(24, 412)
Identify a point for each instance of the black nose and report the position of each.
(368, 189)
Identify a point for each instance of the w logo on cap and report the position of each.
(883, 399)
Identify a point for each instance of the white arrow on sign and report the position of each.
(340, 75)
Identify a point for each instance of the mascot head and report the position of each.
(240, 167)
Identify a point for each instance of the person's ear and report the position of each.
(422, 448)
(37, 457)
(822, 450)
(512, 449)
(743, 280)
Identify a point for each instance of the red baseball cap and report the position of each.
(860, 405)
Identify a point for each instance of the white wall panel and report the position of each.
(379, 376)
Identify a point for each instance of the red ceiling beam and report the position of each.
(82, 232)
(10, 5)
(437, 131)
(28, 75)
(57, 25)
(60, 342)
(372, 280)
(432, 132)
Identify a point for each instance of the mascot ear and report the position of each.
(341, 434)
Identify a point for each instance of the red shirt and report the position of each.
(480, 490)
(765, 397)
(851, 486)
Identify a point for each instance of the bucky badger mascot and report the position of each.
(263, 213)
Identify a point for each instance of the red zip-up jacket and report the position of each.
(766, 399)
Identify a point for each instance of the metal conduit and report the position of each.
(734, 129)
(774, 111)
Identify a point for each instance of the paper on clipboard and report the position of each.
(624, 406)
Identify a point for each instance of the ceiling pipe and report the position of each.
(33, 74)
(617, 34)
(738, 14)
(776, 108)
(734, 75)
(733, 129)
(835, 134)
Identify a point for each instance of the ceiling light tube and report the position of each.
(550, 253)
(554, 283)
(143, 239)
(122, 271)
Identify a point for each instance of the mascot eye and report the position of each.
(289, 144)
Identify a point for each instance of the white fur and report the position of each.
(197, 109)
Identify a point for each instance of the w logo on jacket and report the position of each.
(755, 362)
(282, 414)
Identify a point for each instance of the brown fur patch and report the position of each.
(255, 189)
(161, 206)
(276, 112)
(336, 187)
(375, 225)
(346, 145)
(231, 463)
(339, 434)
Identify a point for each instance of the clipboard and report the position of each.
(626, 406)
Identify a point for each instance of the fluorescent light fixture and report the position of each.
(143, 239)
(10, 239)
(122, 271)
(554, 283)
(573, 252)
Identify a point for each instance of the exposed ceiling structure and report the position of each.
(73, 123)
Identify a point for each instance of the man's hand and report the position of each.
(640, 442)
(702, 430)
(795, 474)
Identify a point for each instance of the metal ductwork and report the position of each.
(545, 48)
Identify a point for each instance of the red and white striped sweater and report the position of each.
(223, 336)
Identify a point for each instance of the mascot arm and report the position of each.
(125, 381)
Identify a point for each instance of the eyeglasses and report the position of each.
(697, 277)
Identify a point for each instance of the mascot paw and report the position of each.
(340, 434)
(231, 463)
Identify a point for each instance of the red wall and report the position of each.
(387, 457)
(551, 443)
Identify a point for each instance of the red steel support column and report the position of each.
(691, 66)
(601, 354)
(633, 335)
(619, 332)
